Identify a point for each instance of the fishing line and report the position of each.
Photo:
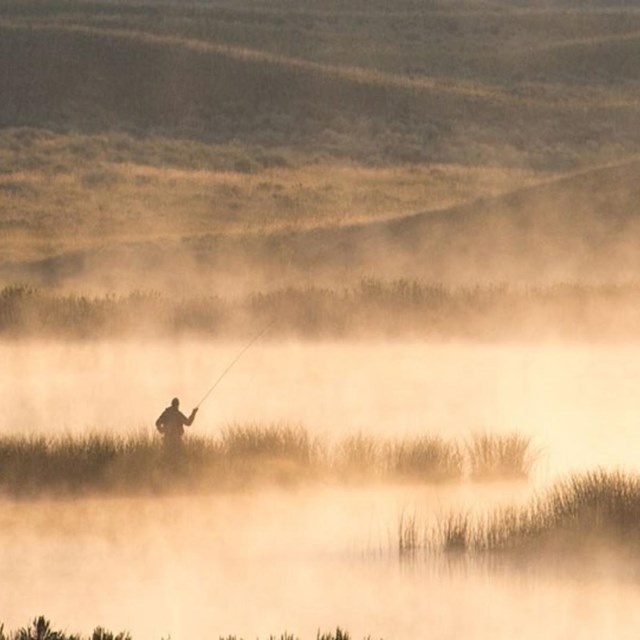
(246, 348)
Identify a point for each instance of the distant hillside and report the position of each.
(585, 227)
(582, 228)
(166, 122)
(596, 60)
(76, 78)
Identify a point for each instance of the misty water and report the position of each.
(259, 562)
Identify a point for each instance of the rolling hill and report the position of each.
(585, 227)
(138, 141)
(70, 75)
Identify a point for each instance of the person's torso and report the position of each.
(173, 421)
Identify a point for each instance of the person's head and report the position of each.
(175, 403)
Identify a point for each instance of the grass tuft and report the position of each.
(359, 456)
(426, 458)
(576, 516)
(497, 457)
(269, 441)
(595, 507)
(455, 530)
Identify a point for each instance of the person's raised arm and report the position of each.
(191, 418)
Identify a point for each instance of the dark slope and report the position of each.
(597, 61)
(92, 80)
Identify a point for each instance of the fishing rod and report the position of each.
(246, 348)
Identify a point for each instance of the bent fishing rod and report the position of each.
(244, 350)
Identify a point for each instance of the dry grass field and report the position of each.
(134, 132)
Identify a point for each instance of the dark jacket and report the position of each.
(172, 422)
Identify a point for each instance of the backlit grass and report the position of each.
(378, 308)
(500, 456)
(579, 515)
(429, 457)
(241, 456)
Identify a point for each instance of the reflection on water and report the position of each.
(259, 563)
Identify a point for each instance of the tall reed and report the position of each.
(242, 454)
(583, 512)
(500, 456)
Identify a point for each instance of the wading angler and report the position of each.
(171, 424)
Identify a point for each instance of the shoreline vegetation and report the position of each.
(246, 456)
(577, 517)
(371, 309)
(41, 629)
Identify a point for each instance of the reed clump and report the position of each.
(241, 455)
(359, 456)
(500, 456)
(426, 458)
(402, 307)
(280, 452)
(588, 511)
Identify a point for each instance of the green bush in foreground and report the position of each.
(586, 511)
(40, 629)
(242, 455)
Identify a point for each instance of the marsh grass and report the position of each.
(409, 535)
(69, 464)
(500, 456)
(41, 629)
(579, 515)
(429, 458)
(587, 509)
(242, 455)
(359, 456)
(272, 441)
(279, 452)
(453, 532)
(371, 307)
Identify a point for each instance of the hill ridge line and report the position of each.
(474, 93)
(593, 40)
(435, 212)
(444, 212)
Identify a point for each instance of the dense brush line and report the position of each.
(247, 455)
(372, 307)
(41, 629)
(580, 514)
